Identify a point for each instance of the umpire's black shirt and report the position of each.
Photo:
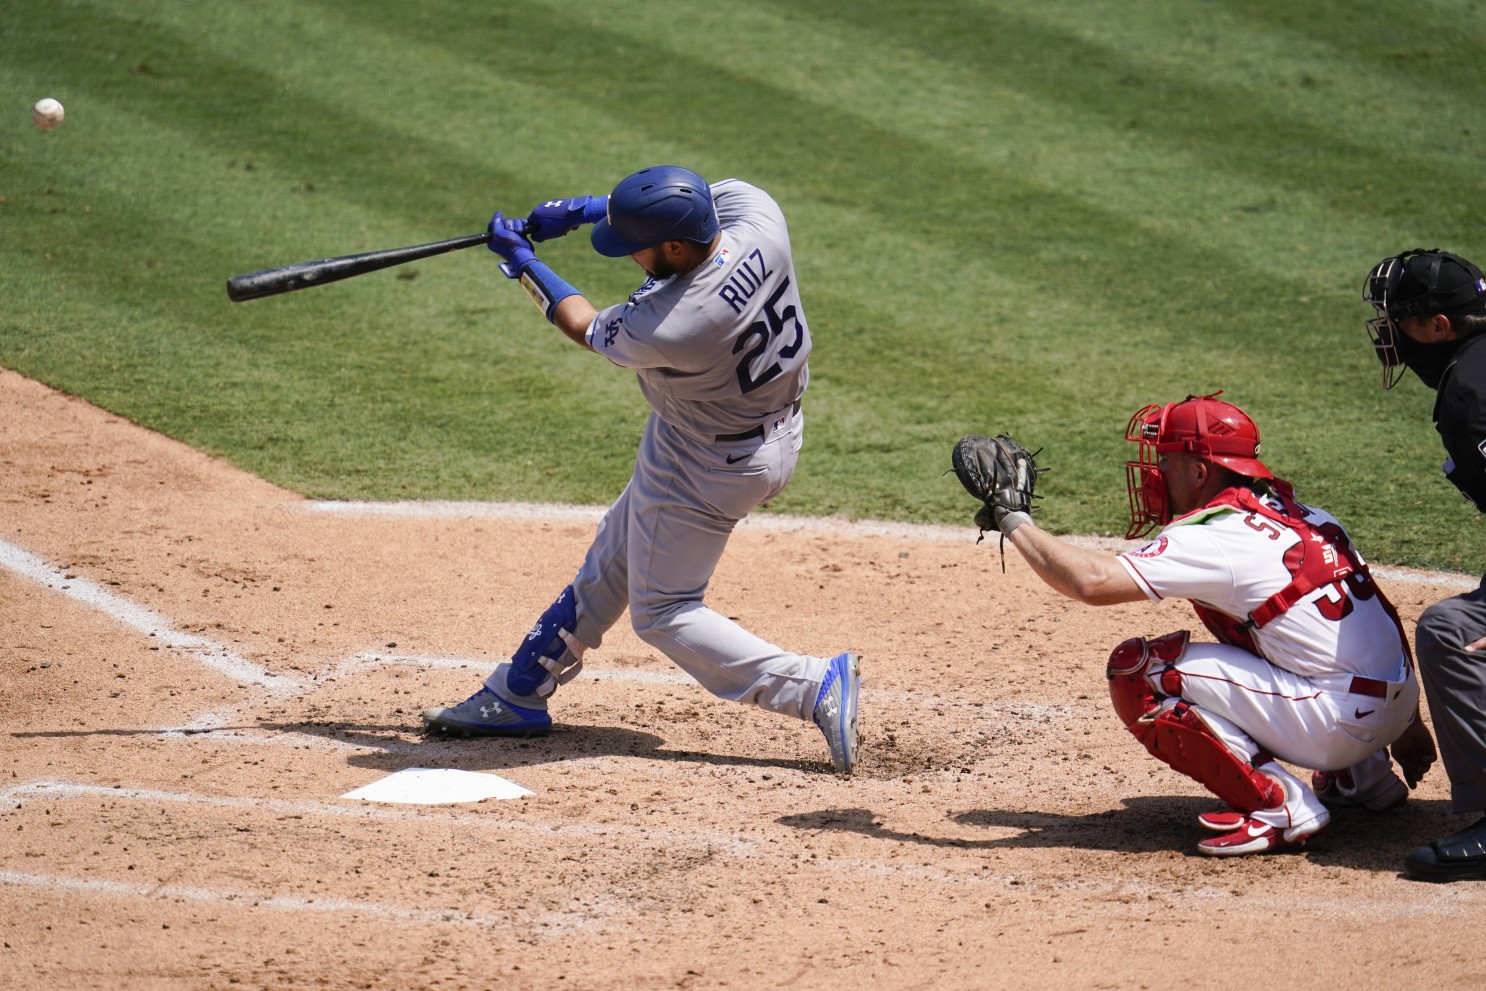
(1460, 417)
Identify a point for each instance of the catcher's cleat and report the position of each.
(1458, 857)
(1336, 788)
(485, 714)
(836, 710)
(1254, 836)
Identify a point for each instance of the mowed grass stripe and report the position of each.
(284, 358)
(1028, 220)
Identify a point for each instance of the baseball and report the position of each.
(47, 113)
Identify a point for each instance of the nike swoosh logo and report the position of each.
(1358, 713)
(732, 460)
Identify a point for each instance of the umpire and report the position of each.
(1431, 318)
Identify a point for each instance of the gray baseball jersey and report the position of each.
(722, 348)
(720, 353)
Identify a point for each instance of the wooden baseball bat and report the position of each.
(303, 275)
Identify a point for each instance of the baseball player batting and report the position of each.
(716, 335)
(1311, 666)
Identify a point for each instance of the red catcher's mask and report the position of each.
(1199, 425)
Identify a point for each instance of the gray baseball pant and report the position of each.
(1455, 687)
(658, 545)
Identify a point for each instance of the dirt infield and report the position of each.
(196, 667)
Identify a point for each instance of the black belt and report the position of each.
(757, 431)
(1369, 686)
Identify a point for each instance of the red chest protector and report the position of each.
(1323, 556)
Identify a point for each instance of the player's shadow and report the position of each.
(1146, 825)
(389, 749)
(1358, 839)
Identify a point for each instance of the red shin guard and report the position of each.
(1176, 734)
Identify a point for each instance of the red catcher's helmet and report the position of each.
(1200, 425)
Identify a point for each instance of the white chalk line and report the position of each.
(146, 621)
(222, 659)
(245, 899)
(60, 789)
(1025, 881)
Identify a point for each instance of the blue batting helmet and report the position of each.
(662, 203)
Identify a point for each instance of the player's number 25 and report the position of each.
(755, 340)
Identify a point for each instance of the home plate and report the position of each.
(437, 786)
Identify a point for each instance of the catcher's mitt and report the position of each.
(999, 472)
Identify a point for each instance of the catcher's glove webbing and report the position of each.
(1001, 474)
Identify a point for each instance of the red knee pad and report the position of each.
(1129, 657)
(1170, 648)
(1132, 696)
(1131, 693)
(1179, 738)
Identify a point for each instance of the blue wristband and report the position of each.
(545, 287)
(596, 209)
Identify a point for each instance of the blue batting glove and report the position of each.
(555, 218)
(508, 241)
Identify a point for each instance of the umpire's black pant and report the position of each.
(1455, 687)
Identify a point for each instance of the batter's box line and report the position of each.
(1033, 711)
(58, 789)
(749, 850)
(242, 898)
(550, 924)
(852, 867)
(151, 624)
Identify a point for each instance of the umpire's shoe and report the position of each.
(836, 709)
(1458, 857)
(486, 714)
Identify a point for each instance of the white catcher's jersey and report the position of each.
(723, 347)
(1233, 560)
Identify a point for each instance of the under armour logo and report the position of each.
(554, 203)
(490, 711)
(536, 631)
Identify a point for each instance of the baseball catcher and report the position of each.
(1311, 666)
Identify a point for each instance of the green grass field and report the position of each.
(1029, 217)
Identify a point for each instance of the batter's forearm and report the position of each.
(573, 316)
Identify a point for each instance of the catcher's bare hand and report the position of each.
(1414, 752)
(1001, 474)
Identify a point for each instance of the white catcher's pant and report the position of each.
(1316, 723)
(658, 545)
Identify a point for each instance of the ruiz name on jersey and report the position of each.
(746, 279)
